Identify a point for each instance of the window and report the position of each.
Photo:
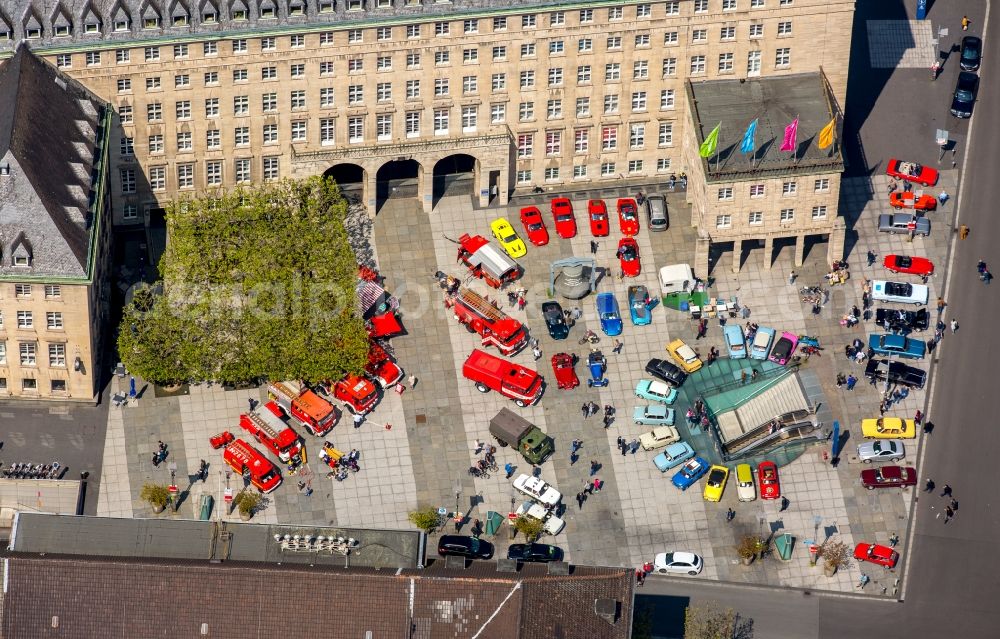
(297, 99)
(670, 39)
(581, 141)
(28, 352)
(672, 8)
(725, 63)
(528, 22)
(784, 3)
(726, 194)
(355, 94)
(185, 176)
(697, 64)
(557, 19)
(756, 190)
(782, 58)
(667, 99)
(271, 172)
(553, 110)
(583, 74)
(787, 215)
(22, 290)
(640, 70)
(130, 212)
(639, 101)
(524, 177)
(441, 123)
(355, 36)
(579, 171)
(662, 165)
(642, 40)
(821, 185)
(785, 28)
(612, 72)
(354, 65)
(635, 166)
(210, 48)
(299, 70)
(383, 91)
(412, 61)
(500, 24)
(53, 291)
(126, 146)
(470, 118)
(498, 82)
(441, 86)
(699, 35)
(636, 136)
(182, 80)
(211, 78)
(240, 45)
(270, 133)
(327, 130)
(585, 45)
(412, 89)
(756, 4)
(528, 50)
(180, 51)
(123, 56)
(552, 173)
(93, 58)
(525, 145)
(241, 105)
(382, 34)
(213, 139)
(557, 47)
(326, 68)
(470, 56)
(441, 29)
(614, 43)
(755, 218)
(586, 15)
(125, 113)
(54, 321)
(555, 77)
(412, 124)
(607, 169)
(819, 212)
(609, 138)
(64, 61)
(184, 141)
(470, 85)
(153, 84)
(128, 180)
(527, 79)
(182, 109)
(610, 104)
(582, 107)
(499, 54)
(470, 26)
(669, 66)
(756, 31)
(701, 6)
(723, 221)
(240, 75)
(729, 5)
(158, 178)
(241, 170)
(789, 188)
(269, 73)
(326, 97)
(299, 131)
(383, 126)
(666, 134)
(753, 63)
(498, 113)
(727, 33)
(268, 44)
(442, 57)
(616, 13)
(29, 384)
(643, 10)
(25, 320)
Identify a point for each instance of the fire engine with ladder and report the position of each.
(481, 316)
(267, 427)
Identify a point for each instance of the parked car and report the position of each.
(899, 345)
(639, 305)
(899, 321)
(910, 200)
(655, 391)
(653, 414)
(562, 212)
(881, 370)
(735, 343)
(677, 563)
(910, 265)
(761, 346)
(900, 223)
(745, 489)
(889, 477)
(684, 355)
(965, 94)
(628, 256)
(464, 546)
(536, 553)
(767, 477)
(672, 456)
(664, 370)
(537, 489)
(899, 292)
(658, 216)
(690, 473)
(534, 226)
(784, 348)
(716, 482)
(607, 311)
(659, 437)
(555, 320)
(972, 53)
(565, 373)
(507, 237)
(876, 554)
(597, 211)
(888, 428)
(628, 216)
(911, 172)
(881, 450)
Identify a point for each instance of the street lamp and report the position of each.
(172, 467)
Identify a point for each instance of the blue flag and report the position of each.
(748, 145)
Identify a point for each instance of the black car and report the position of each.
(902, 322)
(972, 53)
(463, 546)
(555, 320)
(542, 553)
(965, 94)
(664, 370)
(878, 370)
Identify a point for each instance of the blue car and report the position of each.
(900, 345)
(760, 348)
(653, 414)
(639, 305)
(735, 343)
(673, 455)
(607, 310)
(690, 473)
(655, 391)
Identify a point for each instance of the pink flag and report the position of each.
(791, 131)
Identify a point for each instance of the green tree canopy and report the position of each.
(259, 282)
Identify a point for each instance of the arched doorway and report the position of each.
(350, 178)
(398, 178)
(455, 175)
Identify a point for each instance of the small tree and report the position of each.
(748, 547)
(157, 495)
(426, 520)
(247, 502)
(835, 554)
(709, 621)
(530, 527)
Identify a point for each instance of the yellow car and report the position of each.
(716, 483)
(684, 355)
(888, 428)
(507, 236)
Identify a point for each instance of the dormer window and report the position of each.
(267, 13)
(180, 21)
(62, 30)
(121, 25)
(33, 34)
(326, 6)
(239, 14)
(92, 27)
(208, 17)
(296, 8)
(4, 169)
(150, 23)
(21, 260)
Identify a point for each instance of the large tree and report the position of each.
(259, 282)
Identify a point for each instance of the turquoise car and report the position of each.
(735, 343)
(654, 414)
(656, 391)
(673, 455)
(760, 348)
(899, 345)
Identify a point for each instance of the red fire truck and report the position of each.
(305, 406)
(358, 394)
(381, 368)
(492, 324)
(486, 261)
(267, 427)
(248, 461)
(490, 372)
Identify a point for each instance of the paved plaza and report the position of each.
(416, 447)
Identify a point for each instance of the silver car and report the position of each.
(881, 450)
(900, 223)
(658, 220)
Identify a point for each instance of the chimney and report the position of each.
(607, 609)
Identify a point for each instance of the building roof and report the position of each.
(774, 102)
(51, 140)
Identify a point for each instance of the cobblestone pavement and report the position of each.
(417, 447)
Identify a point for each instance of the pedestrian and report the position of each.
(594, 467)
(841, 380)
(851, 381)
(634, 445)
(640, 577)
(588, 487)
(623, 446)
(929, 486)
(946, 491)
(156, 460)
(509, 469)
(576, 313)
(593, 247)
(537, 353)
(621, 442)
(882, 407)
(963, 232)
(730, 514)
(893, 540)
(965, 23)
(943, 197)
(743, 376)
(586, 411)
(577, 444)
(954, 504)
(358, 418)
(412, 379)
(609, 409)
(791, 278)
(618, 347)
(928, 427)
(579, 500)
(954, 326)
(573, 457)
(948, 514)
(784, 504)
(608, 419)
(250, 402)
(594, 408)
(598, 484)
(918, 417)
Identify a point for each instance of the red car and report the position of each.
(628, 216)
(562, 366)
(909, 200)
(767, 477)
(876, 554)
(534, 226)
(909, 265)
(889, 477)
(598, 213)
(628, 255)
(911, 172)
(562, 211)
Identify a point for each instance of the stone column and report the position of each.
(768, 252)
(481, 180)
(425, 187)
(835, 245)
(369, 190)
(702, 245)
(800, 249)
(737, 254)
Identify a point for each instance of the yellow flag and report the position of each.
(711, 142)
(826, 135)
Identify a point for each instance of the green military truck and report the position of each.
(510, 429)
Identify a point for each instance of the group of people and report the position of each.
(518, 298)
(159, 454)
(984, 273)
(348, 462)
(697, 414)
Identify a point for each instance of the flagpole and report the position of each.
(717, 158)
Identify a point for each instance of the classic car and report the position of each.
(745, 489)
(900, 223)
(684, 355)
(534, 226)
(910, 200)
(555, 320)
(784, 348)
(716, 482)
(507, 237)
(888, 428)
(664, 370)
(607, 311)
(899, 292)
(911, 172)
(562, 368)
(767, 477)
(597, 211)
(639, 304)
(876, 554)
(628, 256)
(628, 216)
(899, 345)
(562, 212)
(690, 473)
(672, 456)
(659, 437)
(655, 391)
(653, 414)
(881, 370)
(889, 477)
(735, 343)
(762, 339)
(881, 450)
(909, 265)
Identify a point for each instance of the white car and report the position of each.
(537, 489)
(745, 489)
(678, 563)
(881, 450)
(659, 437)
(552, 524)
(899, 292)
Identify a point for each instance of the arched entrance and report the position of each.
(455, 174)
(350, 178)
(398, 178)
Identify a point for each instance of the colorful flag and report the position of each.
(791, 132)
(749, 144)
(826, 135)
(711, 142)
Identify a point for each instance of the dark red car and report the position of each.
(911, 172)
(534, 226)
(907, 264)
(889, 477)
(562, 211)
(597, 211)
(767, 477)
(562, 366)
(876, 554)
(628, 256)
(628, 216)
